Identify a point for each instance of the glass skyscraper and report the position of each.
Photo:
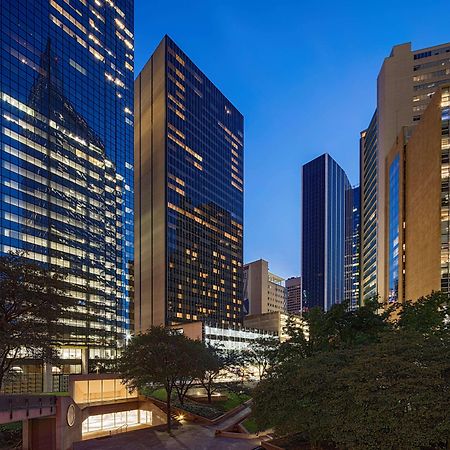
(352, 246)
(66, 142)
(324, 188)
(189, 195)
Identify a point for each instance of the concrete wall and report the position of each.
(420, 207)
(394, 103)
(257, 280)
(423, 205)
(150, 193)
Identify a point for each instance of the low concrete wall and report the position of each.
(196, 418)
(14, 408)
(269, 446)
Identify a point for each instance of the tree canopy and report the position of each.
(366, 380)
(31, 300)
(165, 357)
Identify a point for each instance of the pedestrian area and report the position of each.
(185, 436)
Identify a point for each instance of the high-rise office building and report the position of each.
(66, 191)
(368, 190)
(294, 295)
(263, 291)
(406, 82)
(417, 221)
(352, 246)
(189, 195)
(324, 188)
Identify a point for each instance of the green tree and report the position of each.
(160, 357)
(193, 366)
(426, 315)
(390, 395)
(337, 328)
(214, 361)
(262, 354)
(31, 301)
(367, 381)
(401, 403)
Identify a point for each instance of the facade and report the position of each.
(189, 195)
(263, 291)
(352, 246)
(96, 405)
(324, 187)
(273, 322)
(66, 142)
(417, 223)
(368, 192)
(294, 295)
(406, 83)
(228, 337)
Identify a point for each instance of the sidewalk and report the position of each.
(186, 437)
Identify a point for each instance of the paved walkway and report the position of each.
(234, 419)
(186, 437)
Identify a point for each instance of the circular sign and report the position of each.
(71, 415)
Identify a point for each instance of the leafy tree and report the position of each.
(366, 381)
(337, 328)
(31, 300)
(426, 315)
(262, 354)
(402, 402)
(162, 357)
(389, 395)
(193, 367)
(214, 361)
(235, 365)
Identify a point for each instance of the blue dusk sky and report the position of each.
(303, 74)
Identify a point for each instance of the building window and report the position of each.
(394, 229)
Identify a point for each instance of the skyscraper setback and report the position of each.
(407, 81)
(66, 112)
(189, 195)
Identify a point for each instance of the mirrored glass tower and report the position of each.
(66, 154)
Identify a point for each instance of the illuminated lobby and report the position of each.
(97, 405)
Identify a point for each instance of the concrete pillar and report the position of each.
(26, 433)
(47, 378)
(85, 360)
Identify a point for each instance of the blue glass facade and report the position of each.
(394, 227)
(352, 247)
(324, 185)
(66, 142)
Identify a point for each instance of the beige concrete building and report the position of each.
(95, 406)
(416, 224)
(406, 82)
(274, 322)
(263, 291)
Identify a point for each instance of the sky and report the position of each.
(303, 74)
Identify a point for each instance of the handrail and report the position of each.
(26, 402)
(116, 430)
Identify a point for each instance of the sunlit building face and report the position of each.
(66, 143)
